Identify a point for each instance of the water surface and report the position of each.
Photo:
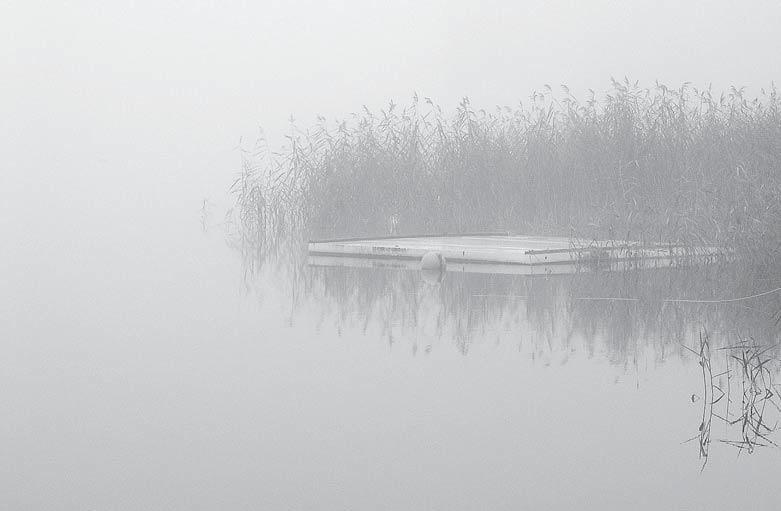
(152, 369)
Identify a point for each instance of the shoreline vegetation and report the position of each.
(656, 164)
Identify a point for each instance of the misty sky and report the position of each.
(145, 102)
(135, 371)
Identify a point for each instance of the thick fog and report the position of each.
(158, 93)
(117, 119)
(116, 111)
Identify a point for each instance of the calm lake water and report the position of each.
(153, 368)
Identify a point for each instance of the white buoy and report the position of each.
(433, 277)
(432, 261)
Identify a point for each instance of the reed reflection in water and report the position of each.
(615, 313)
(627, 318)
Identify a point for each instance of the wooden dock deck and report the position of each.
(502, 253)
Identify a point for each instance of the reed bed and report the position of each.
(654, 164)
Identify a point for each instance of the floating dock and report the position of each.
(503, 253)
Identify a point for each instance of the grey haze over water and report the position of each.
(143, 370)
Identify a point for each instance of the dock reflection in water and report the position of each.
(621, 310)
(621, 316)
